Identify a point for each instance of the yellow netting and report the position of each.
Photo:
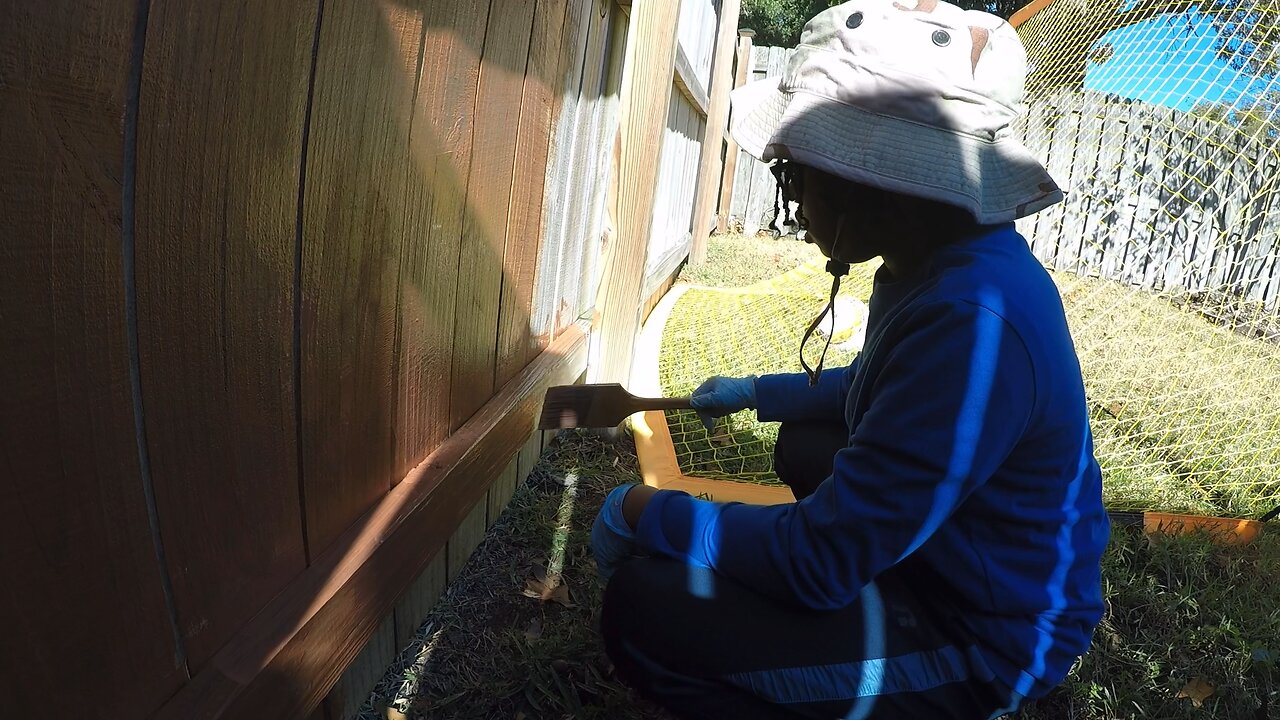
(1159, 117)
(748, 331)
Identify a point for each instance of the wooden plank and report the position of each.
(360, 677)
(646, 94)
(320, 622)
(710, 160)
(500, 492)
(355, 206)
(523, 247)
(529, 456)
(1132, 151)
(555, 212)
(728, 189)
(686, 78)
(466, 538)
(588, 173)
(85, 587)
(414, 606)
(224, 95)
(479, 283)
(440, 142)
(603, 201)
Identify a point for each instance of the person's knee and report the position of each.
(804, 452)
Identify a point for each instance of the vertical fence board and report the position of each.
(500, 492)
(353, 227)
(224, 94)
(552, 254)
(465, 539)
(516, 346)
(502, 67)
(439, 163)
(360, 677)
(646, 94)
(85, 586)
(588, 171)
(417, 602)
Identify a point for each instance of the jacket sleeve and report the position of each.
(953, 398)
(788, 397)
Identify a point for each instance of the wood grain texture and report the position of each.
(412, 607)
(223, 101)
(355, 207)
(83, 583)
(358, 680)
(606, 57)
(711, 161)
(440, 143)
(646, 94)
(516, 341)
(466, 538)
(287, 657)
(500, 492)
(741, 71)
(560, 157)
(493, 157)
(686, 78)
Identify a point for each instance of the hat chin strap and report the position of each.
(838, 269)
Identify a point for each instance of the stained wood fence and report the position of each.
(283, 285)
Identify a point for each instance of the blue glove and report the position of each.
(722, 396)
(612, 540)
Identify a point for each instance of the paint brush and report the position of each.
(603, 405)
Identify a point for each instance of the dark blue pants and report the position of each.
(703, 646)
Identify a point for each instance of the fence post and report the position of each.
(731, 147)
(647, 78)
(709, 165)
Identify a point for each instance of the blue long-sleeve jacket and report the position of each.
(970, 464)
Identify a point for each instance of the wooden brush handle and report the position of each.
(680, 403)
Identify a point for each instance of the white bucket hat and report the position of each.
(917, 100)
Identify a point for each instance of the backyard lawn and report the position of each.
(1186, 414)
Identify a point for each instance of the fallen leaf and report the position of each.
(534, 631)
(533, 588)
(1197, 690)
(561, 595)
(547, 590)
(520, 715)
(1115, 409)
(394, 714)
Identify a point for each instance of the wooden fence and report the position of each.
(1157, 198)
(754, 188)
(284, 283)
(683, 141)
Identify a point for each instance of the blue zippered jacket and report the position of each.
(970, 465)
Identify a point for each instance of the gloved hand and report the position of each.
(720, 396)
(612, 540)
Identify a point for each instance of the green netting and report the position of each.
(1161, 120)
(1185, 411)
(747, 331)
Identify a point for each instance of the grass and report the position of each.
(1185, 417)
(1185, 411)
(1179, 609)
